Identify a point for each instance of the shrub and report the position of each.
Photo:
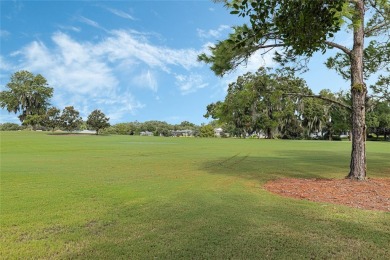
(10, 127)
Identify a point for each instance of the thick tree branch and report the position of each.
(320, 97)
(340, 47)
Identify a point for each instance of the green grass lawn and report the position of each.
(126, 197)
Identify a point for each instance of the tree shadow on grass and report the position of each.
(288, 164)
(294, 164)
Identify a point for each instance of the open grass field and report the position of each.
(125, 197)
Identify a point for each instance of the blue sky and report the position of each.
(134, 60)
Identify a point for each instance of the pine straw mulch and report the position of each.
(373, 194)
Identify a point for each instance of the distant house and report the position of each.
(218, 132)
(146, 133)
(86, 132)
(185, 133)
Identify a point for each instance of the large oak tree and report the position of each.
(298, 29)
(27, 94)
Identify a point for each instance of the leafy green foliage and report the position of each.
(27, 94)
(378, 118)
(10, 127)
(33, 120)
(97, 120)
(206, 131)
(376, 57)
(257, 102)
(381, 88)
(70, 119)
(226, 56)
(52, 118)
(299, 27)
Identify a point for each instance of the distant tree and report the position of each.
(123, 129)
(97, 120)
(52, 119)
(206, 131)
(33, 120)
(186, 125)
(10, 127)
(378, 119)
(313, 116)
(291, 128)
(256, 102)
(70, 119)
(26, 94)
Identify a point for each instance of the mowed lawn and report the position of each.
(128, 197)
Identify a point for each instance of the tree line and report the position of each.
(29, 94)
(267, 103)
(261, 103)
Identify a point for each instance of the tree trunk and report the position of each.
(358, 91)
(269, 133)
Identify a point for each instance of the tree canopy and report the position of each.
(70, 119)
(97, 120)
(27, 94)
(256, 102)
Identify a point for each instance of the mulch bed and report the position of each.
(373, 194)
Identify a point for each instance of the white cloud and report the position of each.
(89, 22)
(257, 60)
(189, 83)
(93, 75)
(70, 66)
(120, 105)
(35, 57)
(69, 28)
(146, 80)
(128, 45)
(121, 13)
(4, 65)
(213, 33)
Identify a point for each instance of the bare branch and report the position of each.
(340, 47)
(270, 46)
(321, 97)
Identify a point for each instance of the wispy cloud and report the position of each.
(69, 28)
(94, 74)
(213, 33)
(121, 13)
(257, 60)
(190, 83)
(125, 45)
(147, 80)
(89, 22)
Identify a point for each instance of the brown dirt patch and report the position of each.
(373, 194)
